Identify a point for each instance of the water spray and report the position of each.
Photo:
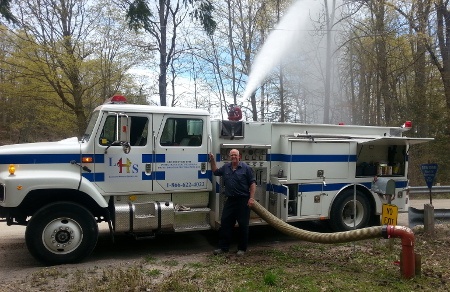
(280, 40)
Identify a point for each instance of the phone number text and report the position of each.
(196, 184)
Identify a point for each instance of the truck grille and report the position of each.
(2, 192)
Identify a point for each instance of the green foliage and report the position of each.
(5, 11)
(270, 278)
(50, 83)
(150, 259)
(139, 15)
(204, 13)
(171, 263)
(154, 272)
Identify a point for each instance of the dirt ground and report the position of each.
(18, 268)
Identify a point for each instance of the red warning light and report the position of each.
(116, 99)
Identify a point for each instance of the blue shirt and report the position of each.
(237, 182)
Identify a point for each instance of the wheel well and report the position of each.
(337, 223)
(36, 199)
(364, 191)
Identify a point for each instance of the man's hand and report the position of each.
(213, 162)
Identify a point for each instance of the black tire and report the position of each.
(341, 216)
(61, 233)
(375, 220)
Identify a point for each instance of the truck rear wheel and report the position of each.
(342, 217)
(61, 233)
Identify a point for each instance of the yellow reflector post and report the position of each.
(11, 169)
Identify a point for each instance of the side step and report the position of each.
(192, 210)
(193, 228)
(192, 219)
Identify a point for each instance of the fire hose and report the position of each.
(407, 261)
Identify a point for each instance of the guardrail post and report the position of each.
(428, 219)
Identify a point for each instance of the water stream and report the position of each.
(281, 40)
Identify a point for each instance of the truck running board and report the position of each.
(193, 219)
(193, 228)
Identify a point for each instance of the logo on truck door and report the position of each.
(122, 167)
(127, 167)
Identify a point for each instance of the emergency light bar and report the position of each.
(407, 125)
(116, 99)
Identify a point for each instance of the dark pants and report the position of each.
(235, 209)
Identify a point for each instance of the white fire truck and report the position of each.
(145, 170)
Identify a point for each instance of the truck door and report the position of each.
(321, 166)
(117, 171)
(181, 153)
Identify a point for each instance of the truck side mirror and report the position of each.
(117, 129)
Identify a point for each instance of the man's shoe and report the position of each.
(240, 253)
(219, 251)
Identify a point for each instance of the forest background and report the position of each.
(371, 62)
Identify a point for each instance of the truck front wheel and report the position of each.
(61, 233)
(343, 216)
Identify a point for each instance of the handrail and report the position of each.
(426, 190)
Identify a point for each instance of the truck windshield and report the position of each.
(90, 127)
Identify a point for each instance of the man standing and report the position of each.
(240, 186)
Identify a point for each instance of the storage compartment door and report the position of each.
(331, 158)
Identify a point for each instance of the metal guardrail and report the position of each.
(426, 190)
(416, 216)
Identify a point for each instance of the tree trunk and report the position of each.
(419, 101)
(263, 89)
(383, 83)
(231, 45)
(162, 80)
(328, 61)
(282, 101)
